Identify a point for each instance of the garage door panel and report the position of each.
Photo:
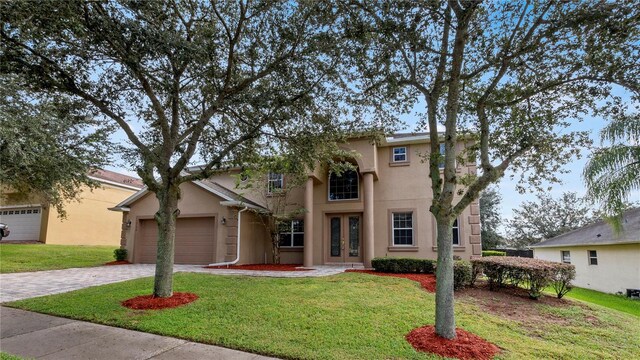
(195, 241)
(24, 223)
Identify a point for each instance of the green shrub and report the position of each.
(403, 265)
(493, 253)
(120, 254)
(534, 274)
(562, 282)
(462, 274)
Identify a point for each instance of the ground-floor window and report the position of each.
(566, 257)
(402, 225)
(593, 257)
(292, 233)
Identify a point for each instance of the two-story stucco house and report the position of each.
(380, 209)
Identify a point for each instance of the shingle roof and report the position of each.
(226, 193)
(101, 174)
(599, 233)
(208, 185)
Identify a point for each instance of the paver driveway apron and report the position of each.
(20, 286)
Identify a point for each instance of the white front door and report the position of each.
(24, 223)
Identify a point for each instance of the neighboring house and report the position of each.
(88, 221)
(604, 261)
(381, 209)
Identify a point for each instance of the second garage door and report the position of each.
(195, 241)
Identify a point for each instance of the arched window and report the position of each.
(343, 187)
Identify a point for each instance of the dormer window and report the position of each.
(343, 187)
(400, 154)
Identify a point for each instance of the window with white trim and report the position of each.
(275, 182)
(455, 233)
(566, 257)
(593, 257)
(400, 154)
(344, 187)
(402, 228)
(292, 233)
(442, 151)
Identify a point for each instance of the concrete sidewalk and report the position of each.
(33, 335)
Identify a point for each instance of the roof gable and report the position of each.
(599, 233)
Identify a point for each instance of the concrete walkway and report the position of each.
(26, 285)
(39, 336)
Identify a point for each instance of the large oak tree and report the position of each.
(509, 74)
(215, 82)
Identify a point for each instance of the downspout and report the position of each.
(237, 242)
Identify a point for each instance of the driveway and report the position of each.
(18, 286)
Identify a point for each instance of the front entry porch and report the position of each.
(343, 239)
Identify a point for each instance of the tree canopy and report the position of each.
(48, 146)
(216, 83)
(547, 217)
(490, 218)
(508, 75)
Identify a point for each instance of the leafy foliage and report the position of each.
(547, 217)
(403, 265)
(493, 253)
(278, 207)
(218, 83)
(462, 274)
(120, 254)
(48, 146)
(507, 75)
(562, 282)
(534, 274)
(613, 173)
(490, 218)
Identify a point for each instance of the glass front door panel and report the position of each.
(354, 236)
(335, 236)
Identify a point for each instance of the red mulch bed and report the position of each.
(465, 346)
(428, 281)
(119, 262)
(149, 302)
(260, 267)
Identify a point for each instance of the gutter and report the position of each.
(238, 242)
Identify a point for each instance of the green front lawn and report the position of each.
(36, 257)
(616, 302)
(347, 316)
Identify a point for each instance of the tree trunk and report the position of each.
(445, 317)
(275, 248)
(166, 218)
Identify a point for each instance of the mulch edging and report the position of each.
(465, 346)
(428, 281)
(119, 262)
(150, 302)
(260, 267)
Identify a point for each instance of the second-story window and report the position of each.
(344, 187)
(400, 154)
(455, 233)
(275, 182)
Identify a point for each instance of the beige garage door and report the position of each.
(195, 241)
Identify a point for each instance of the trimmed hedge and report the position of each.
(533, 274)
(462, 270)
(462, 274)
(493, 253)
(404, 265)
